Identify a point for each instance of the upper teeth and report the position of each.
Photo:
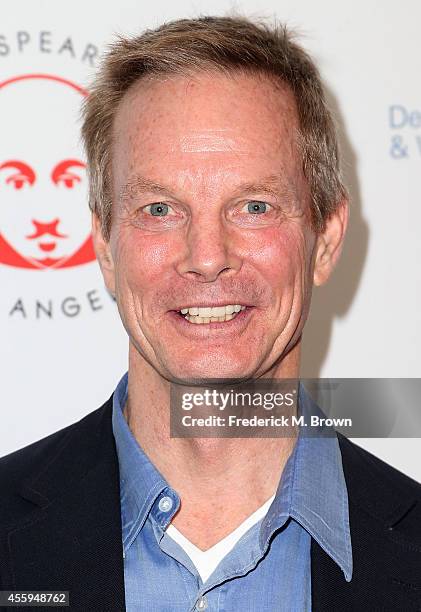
(213, 311)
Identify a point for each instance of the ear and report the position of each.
(103, 254)
(329, 243)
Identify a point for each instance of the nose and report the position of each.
(209, 251)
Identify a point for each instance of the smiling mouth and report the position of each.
(47, 247)
(211, 314)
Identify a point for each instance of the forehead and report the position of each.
(205, 121)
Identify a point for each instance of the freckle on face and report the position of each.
(203, 140)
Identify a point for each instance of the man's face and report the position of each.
(43, 213)
(210, 208)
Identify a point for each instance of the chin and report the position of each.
(194, 373)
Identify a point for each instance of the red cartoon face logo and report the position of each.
(44, 216)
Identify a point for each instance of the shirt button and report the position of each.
(165, 504)
(201, 603)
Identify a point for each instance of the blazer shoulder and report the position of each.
(356, 458)
(35, 458)
(382, 491)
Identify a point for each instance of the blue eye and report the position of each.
(158, 209)
(256, 207)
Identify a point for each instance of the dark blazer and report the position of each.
(60, 526)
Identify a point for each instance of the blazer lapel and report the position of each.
(72, 540)
(386, 563)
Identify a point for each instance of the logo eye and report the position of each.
(18, 180)
(24, 175)
(62, 175)
(68, 179)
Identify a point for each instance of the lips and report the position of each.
(214, 304)
(232, 326)
(214, 314)
(47, 247)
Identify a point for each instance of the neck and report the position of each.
(240, 472)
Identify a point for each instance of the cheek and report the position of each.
(281, 255)
(144, 259)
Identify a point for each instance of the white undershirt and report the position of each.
(207, 560)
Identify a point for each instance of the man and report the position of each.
(217, 203)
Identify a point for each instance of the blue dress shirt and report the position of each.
(269, 567)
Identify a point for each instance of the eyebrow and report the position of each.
(21, 167)
(273, 184)
(63, 166)
(138, 185)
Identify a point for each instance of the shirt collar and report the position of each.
(312, 490)
(140, 482)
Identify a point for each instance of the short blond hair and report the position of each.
(225, 44)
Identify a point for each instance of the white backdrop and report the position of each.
(63, 347)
